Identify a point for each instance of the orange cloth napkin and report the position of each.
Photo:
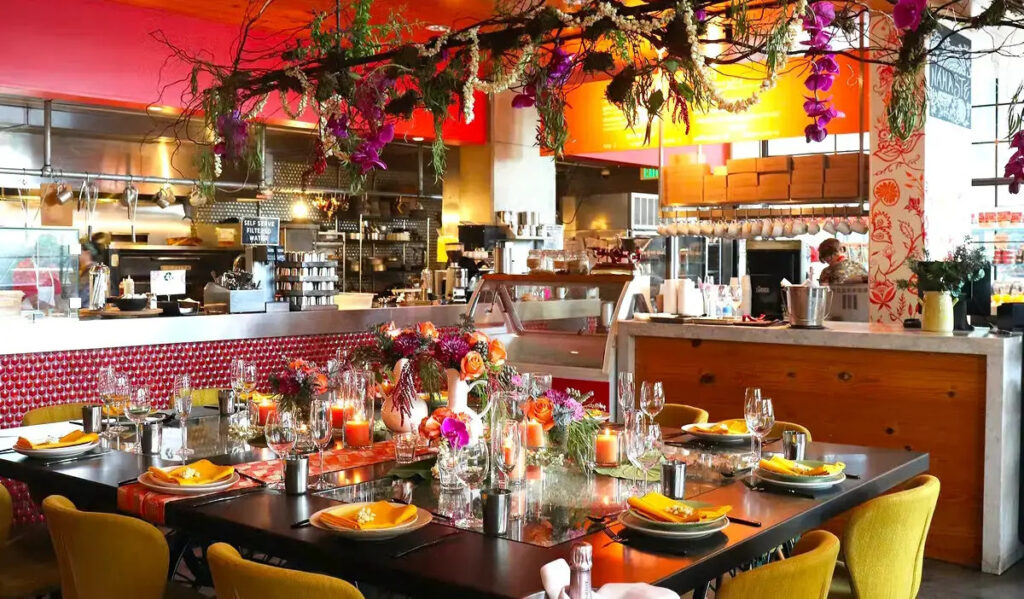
(202, 472)
(781, 465)
(727, 427)
(662, 509)
(377, 515)
(72, 438)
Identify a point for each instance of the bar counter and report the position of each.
(956, 396)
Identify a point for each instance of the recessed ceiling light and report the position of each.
(417, 139)
(437, 28)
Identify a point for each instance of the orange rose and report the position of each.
(475, 338)
(319, 383)
(427, 330)
(390, 329)
(472, 365)
(540, 410)
(496, 352)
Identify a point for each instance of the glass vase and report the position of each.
(448, 469)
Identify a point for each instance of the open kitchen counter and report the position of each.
(957, 396)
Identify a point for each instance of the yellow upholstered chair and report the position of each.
(58, 413)
(108, 555)
(781, 425)
(27, 565)
(805, 575)
(238, 578)
(205, 397)
(675, 415)
(883, 543)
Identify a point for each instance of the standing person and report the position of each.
(840, 269)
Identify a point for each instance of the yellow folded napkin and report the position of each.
(377, 515)
(726, 427)
(662, 509)
(202, 472)
(72, 438)
(781, 465)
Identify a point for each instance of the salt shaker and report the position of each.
(581, 561)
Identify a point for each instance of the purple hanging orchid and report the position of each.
(455, 432)
(907, 14)
(824, 68)
(338, 125)
(559, 69)
(1015, 167)
(234, 134)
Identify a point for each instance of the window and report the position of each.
(990, 129)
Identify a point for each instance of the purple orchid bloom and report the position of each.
(819, 82)
(826, 64)
(338, 125)
(1017, 142)
(815, 132)
(367, 158)
(907, 14)
(701, 15)
(455, 432)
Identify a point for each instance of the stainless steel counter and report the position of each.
(60, 334)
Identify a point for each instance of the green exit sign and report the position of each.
(646, 174)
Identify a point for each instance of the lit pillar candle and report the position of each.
(339, 414)
(357, 433)
(263, 412)
(534, 435)
(606, 451)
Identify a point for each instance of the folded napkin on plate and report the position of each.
(781, 465)
(658, 507)
(72, 438)
(555, 579)
(728, 427)
(377, 515)
(202, 472)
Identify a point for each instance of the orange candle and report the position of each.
(264, 410)
(520, 467)
(606, 452)
(534, 434)
(357, 433)
(339, 414)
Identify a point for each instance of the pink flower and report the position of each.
(907, 14)
(815, 132)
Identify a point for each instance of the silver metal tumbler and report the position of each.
(496, 503)
(296, 474)
(152, 433)
(92, 419)
(673, 479)
(793, 445)
(226, 401)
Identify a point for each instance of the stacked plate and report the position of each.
(150, 482)
(725, 438)
(636, 521)
(57, 453)
(796, 481)
(423, 518)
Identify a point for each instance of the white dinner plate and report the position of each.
(633, 523)
(717, 437)
(423, 518)
(824, 483)
(58, 452)
(147, 480)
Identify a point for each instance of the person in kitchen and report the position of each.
(840, 269)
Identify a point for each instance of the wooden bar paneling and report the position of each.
(916, 400)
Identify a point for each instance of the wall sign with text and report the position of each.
(949, 80)
(261, 231)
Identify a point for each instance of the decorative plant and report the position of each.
(297, 384)
(565, 419)
(963, 265)
(360, 78)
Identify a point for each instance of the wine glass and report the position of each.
(137, 409)
(181, 399)
(119, 399)
(511, 446)
(625, 395)
(652, 451)
(633, 435)
(760, 417)
(243, 378)
(652, 398)
(281, 435)
(472, 466)
(322, 431)
(750, 395)
(105, 388)
(736, 295)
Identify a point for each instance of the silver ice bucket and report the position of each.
(807, 306)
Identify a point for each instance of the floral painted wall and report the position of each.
(896, 200)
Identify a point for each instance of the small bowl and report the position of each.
(131, 304)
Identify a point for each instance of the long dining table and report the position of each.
(452, 557)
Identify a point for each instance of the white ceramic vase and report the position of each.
(393, 418)
(458, 401)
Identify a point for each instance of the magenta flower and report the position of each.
(1017, 141)
(824, 68)
(1015, 169)
(455, 432)
(907, 14)
(406, 344)
(700, 14)
(815, 132)
(450, 350)
(338, 125)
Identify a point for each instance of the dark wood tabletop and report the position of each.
(442, 561)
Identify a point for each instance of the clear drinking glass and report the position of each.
(750, 395)
(537, 383)
(181, 400)
(322, 432)
(625, 393)
(652, 398)
(281, 436)
(634, 436)
(138, 406)
(511, 446)
(472, 465)
(105, 388)
(405, 447)
(760, 418)
(118, 401)
(652, 451)
(243, 379)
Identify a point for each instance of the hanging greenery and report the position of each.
(358, 78)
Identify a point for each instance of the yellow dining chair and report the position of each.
(237, 578)
(205, 397)
(27, 565)
(780, 426)
(805, 575)
(57, 413)
(883, 543)
(675, 415)
(108, 555)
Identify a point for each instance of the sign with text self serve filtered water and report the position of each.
(261, 231)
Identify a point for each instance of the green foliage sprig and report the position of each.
(965, 264)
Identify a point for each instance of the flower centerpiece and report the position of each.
(565, 421)
(940, 282)
(450, 432)
(420, 363)
(297, 384)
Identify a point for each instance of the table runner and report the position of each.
(138, 500)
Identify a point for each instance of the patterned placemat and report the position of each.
(138, 500)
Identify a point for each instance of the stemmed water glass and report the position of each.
(634, 436)
(750, 396)
(181, 399)
(625, 393)
(759, 414)
(511, 446)
(321, 430)
(105, 387)
(652, 398)
(243, 379)
(281, 435)
(652, 451)
(119, 400)
(471, 464)
(137, 409)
